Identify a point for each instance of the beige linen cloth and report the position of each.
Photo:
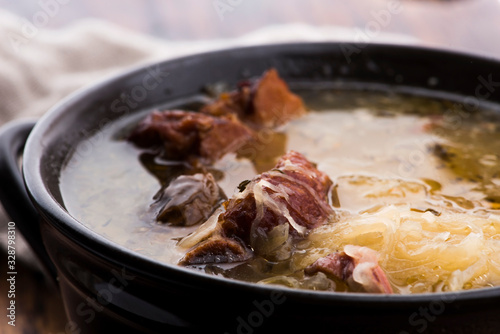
(37, 70)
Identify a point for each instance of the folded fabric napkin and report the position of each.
(40, 67)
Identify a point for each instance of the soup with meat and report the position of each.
(364, 191)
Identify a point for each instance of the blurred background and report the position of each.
(461, 24)
(94, 38)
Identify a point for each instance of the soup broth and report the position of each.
(417, 179)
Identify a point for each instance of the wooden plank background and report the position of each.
(467, 25)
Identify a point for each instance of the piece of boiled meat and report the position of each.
(282, 203)
(185, 135)
(262, 103)
(189, 200)
(357, 266)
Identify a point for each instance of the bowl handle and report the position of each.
(13, 194)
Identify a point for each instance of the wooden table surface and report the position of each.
(466, 25)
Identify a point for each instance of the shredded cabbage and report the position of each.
(419, 252)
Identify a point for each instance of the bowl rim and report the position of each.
(97, 244)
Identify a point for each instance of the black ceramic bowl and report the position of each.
(107, 288)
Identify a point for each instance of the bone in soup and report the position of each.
(366, 191)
